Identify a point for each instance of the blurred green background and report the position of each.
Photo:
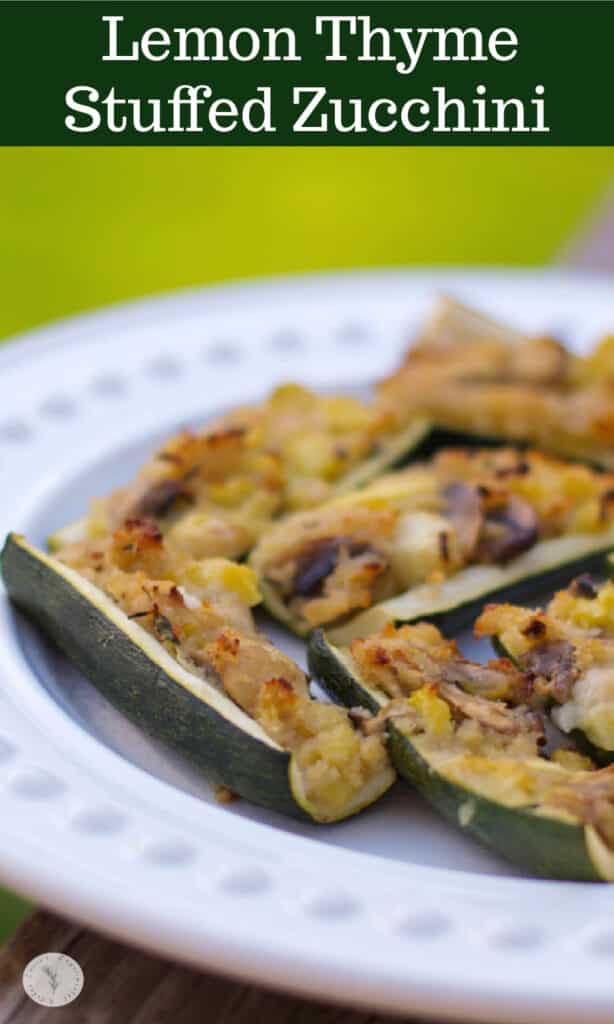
(84, 227)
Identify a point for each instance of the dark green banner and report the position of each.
(500, 73)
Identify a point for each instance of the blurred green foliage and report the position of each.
(84, 227)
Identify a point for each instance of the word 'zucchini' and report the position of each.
(434, 540)
(143, 678)
(474, 758)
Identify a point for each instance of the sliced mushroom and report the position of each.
(463, 506)
(318, 560)
(498, 679)
(160, 498)
(490, 527)
(553, 669)
(398, 708)
(509, 529)
(164, 628)
(492, 714)
(584, 586)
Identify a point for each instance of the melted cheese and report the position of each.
(591, 707)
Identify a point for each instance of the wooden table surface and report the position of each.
(126, 986)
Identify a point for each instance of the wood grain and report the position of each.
(127, 986)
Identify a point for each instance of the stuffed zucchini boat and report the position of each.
(473, 757)
(475, 376)
(567, 652)
(434, 540)
(213, 492)
(172, 645)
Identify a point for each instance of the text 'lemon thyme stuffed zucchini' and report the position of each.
(567, 652)
(476, 759)
(477, 377)
(434, 540)
(171, 644)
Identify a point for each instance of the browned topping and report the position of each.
(223, 795)
(521, 468)
(536, 627)
(169, 457)
(380, 656)
(280, 683)
(142, 532)
(398, 661)
(229, 643)
(525, 388)
(219, 437)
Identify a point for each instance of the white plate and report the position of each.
(393, 910)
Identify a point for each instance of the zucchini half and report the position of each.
(417, 440)
(453, 604)
(551, 846)
(140, 678)
(475, 374)
(434, 541)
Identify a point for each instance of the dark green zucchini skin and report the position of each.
(544, 846)
(432, 438)
(143, 690)
(601, 757)
(436, 437)
(452, 620)
(336, 679)
(445, 437)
